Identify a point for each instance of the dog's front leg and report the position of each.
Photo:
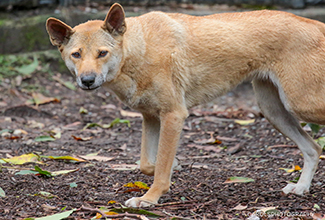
(149, 145)
(171, 125)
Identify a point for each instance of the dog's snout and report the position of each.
(88, 80)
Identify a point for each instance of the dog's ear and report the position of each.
(115, 20)
(59, 32)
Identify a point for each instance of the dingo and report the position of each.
(163, 64)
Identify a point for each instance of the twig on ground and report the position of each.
(281, 145)
(175, 203)
(174, 216)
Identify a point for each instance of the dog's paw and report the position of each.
(295, 188)
(138, 202)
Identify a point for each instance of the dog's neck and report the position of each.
(126, 82)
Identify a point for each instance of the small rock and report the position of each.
(29, 142)
(5, 134)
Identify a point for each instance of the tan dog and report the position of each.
(163, 64)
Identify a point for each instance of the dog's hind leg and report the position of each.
(270, 103)
(149, 145)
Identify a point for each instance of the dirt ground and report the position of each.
(198, 189)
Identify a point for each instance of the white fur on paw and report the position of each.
(137, 202)
(295, 188)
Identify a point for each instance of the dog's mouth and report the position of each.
(90, 88)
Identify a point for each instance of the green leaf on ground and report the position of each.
(295, 180)
(238, 179)
(321, 142)
(2, 193)
(314, 128)
(65, 158)
(73, 185)
(44, 138)
(91, 125)
(6, 130)
(25, 172)
(42, 172)
(37, 171)
(117, 121)
(82, 110)
(57, 216)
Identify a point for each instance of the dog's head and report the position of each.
(92, 51)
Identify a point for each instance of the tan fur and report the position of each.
(163, 64)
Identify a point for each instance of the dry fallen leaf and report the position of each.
(130, 114)
(41, 99)
(19, 132)
(111, 202)
(72, 126)
(60, 172)
(80, 138)
(108, 106)
(123, 166)
(137, 184)
(47, 207)
(208, 141)
(318, 216)
(294, 168)
(238, 179)
(12, 137)
(206, 148)
(240, 207)
(25, 158)
(35, 124)
(245, 122)
(95, 157)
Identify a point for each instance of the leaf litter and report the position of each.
(197, 190)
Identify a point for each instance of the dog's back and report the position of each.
(198, 51)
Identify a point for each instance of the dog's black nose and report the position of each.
(88, 80)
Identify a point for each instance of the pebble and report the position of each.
(5, 134)
(29, 142)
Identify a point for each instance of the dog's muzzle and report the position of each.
(90, 81)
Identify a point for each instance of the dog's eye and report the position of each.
(76, 55)
(102, 53)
